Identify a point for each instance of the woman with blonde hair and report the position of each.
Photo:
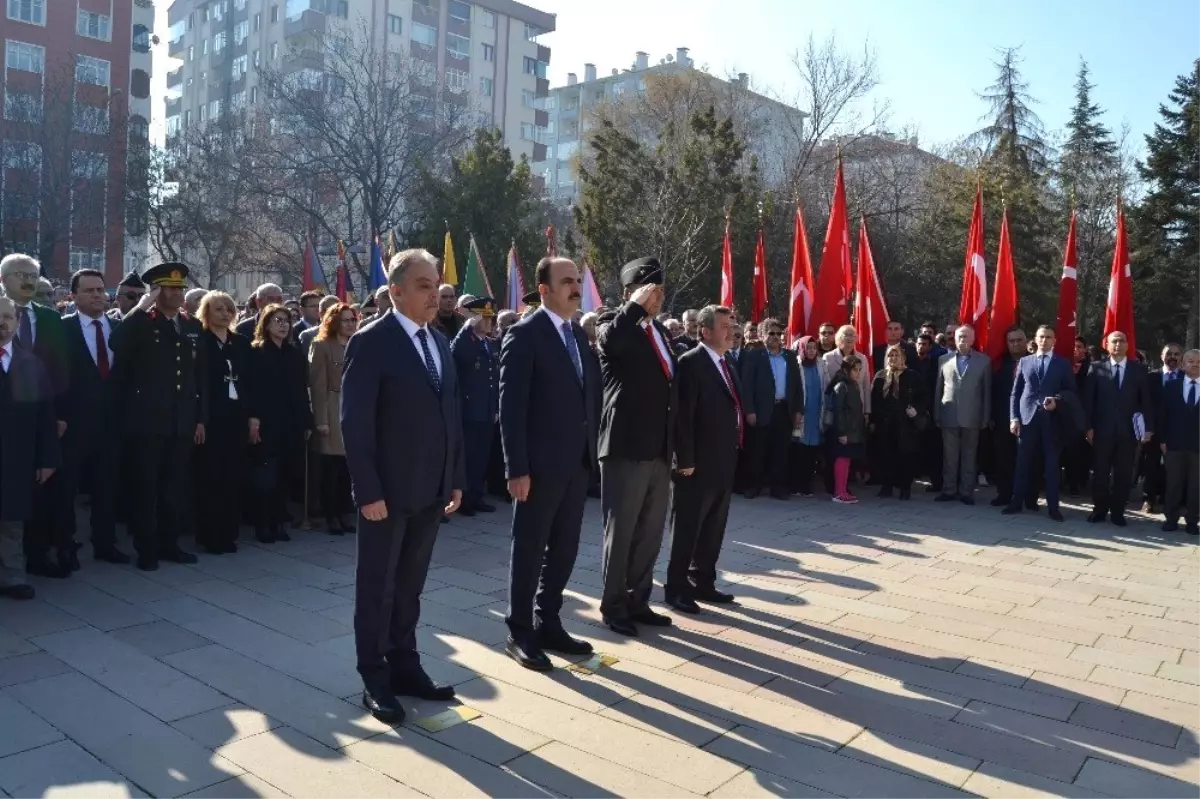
(898, 417)
(325, 360)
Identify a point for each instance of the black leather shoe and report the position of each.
(264, 536)
(1000, 502)
(751, 494)
(483, 507)
(528, 656)
(384, 707)
(1193, 529)
(1011, 510)
(884, 493)
(906, 493)
(594, 493)
(1170, 527)
(282, 535)
(1031, 504)
(177, 556)
(1119, 521)
(110, 555)
(712, 595)
(932, 489)
(422, 688)
(17, 591)
(683, 603)
(622, 626)
(1055, 515)
(780, 495)
(649, 617)
(967, 500)
(945, 498)
(463, 510)
(44, 568)
(147, 563)
(445, 520)
(561, 641)
(1096, 516)
(70, 559)
(333, 527)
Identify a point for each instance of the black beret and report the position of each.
(484, 306)
(132, 280)
(532, 298)
(169, 273)
(641, 272)
(605, 316)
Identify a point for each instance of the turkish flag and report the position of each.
(1004, 300)
(1118, 315)
(870, 312)
(800, 309)
(1066, 328)
(832, 303)
(758, 294)
(973, 306)
(727, 269)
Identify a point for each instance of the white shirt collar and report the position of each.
(85, 320)
(717, 359)
(1116, 362)
(410, 327)
(555, 318)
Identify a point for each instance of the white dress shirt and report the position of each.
(412, 328)
(89, 335)
(1168, 375)
(6, 358)
(1119, 365)
(663, 350)
(721, 364)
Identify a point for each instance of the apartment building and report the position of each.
(769, 123)
(76, 87)
(484, 51)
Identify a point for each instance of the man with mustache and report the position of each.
(129, 292)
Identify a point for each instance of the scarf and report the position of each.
(801, 349)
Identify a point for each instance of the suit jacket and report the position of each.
(759, 382)
(1002, 383)
(94, 401)
(50, 346)
(963, 400)
(403, 439)
(479, 375)
(706, 428)
(1108, 409)
(27, 430)
(162, 373)
(1157, 387)
(1029, 390)
(549, 418)
(246, 327)
(1178, 424)
(640, 401)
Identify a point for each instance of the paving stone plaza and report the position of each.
(886, 649)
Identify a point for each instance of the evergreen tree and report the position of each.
(1167, 222)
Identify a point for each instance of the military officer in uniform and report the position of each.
(163, 397)
(479, 375)
(532, 301)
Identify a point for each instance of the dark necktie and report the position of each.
(1041, 366)
(572, 349)
(434, 377)
(1191, 393)
(101, 349)
(24, 329)
(737, 402)
(1117, 376)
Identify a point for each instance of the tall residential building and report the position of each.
(76, 106)
(485, 50)
(769, 123)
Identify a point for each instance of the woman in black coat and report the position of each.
(898, 416)
(221, 460)
(280, 421)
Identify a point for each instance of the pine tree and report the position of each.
(1167, 222)
(1015, 134)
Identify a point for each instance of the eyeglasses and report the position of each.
(132, 296)
(281, 320)
(25, 275)
(774, 333)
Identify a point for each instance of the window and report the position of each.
(139, 128)
(257, 22)
(535, 67)
(141, 39)
(485, 87)
(457, 80)
(395, 24)
(219, 41)
(187, 118)
(89, 165)
(458, 46)
(93, 25)
(237, 102)
(239, 66)
(239, 5)
(90, 119)
(241, 31)
(87, 258)
(191, 52)
(214, 110)
(459, 10)
(253, 95)
(618, 89)
(274, 50)
(340, 8)
(173, 125)
(274, 13)
(550, 102)
(487, 18)
(256, 59)
(176, 31)
(335, 85)
(31, 11)
(25, 57)
(189, 83)
(204, 47)
(489, 52)
(139, 83)
(528, 98)
(203, 112)
(532, 31)
(531, 132)
(92, 70)
(22, 106)
(424, 35)
(218, 10)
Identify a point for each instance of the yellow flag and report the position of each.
(449, 269)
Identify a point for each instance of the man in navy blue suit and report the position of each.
(1042, 382)
(401, 423)
(1179, 437)
(549, 421)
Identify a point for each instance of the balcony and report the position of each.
(175, 78)
(174, 107)
(309, 23)
(303, 59)
(176, 48)
(541, 118)
(543, 88)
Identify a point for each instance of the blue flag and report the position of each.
(378, 275)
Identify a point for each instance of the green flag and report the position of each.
(475, 281)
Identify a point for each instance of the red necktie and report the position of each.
(101, 349)
(737, 403)
(666, 367)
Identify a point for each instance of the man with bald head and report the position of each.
(448, 321)
(962, 406)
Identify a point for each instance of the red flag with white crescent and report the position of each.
(800, 315)
(1118, 312)
(973, 305)
(1066, 327)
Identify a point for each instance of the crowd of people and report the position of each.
(187, 416)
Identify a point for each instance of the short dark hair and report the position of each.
(310, 295)
(849, 362)
(926, 337)
(541, 272)
(1015, 329)
(929, 324)
(84, 273)
(1047, 328)
(827, 324)
(1081, 340)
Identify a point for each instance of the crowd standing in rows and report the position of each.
(190, 417)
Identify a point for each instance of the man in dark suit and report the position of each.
(636, 444)
(710, 428)
(1153, 469)
(549, 421)
(310, 314)
(895, 336)
(28, 448)
(1005, 443)
(40, 332)
(1043, 384)
(773, 400)
(264, 295)
(926, 365)
(91, 447)
(129, 293)
(1179, 436)
(401, 423)
(164, 406)
(479, 377)
(1118, 390)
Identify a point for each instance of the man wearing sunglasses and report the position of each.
(773, 400)
(129, 293)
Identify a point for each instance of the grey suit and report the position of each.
(962, 407)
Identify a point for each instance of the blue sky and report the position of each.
(934, 55)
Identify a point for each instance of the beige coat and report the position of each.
(833, 362)
(325, 387)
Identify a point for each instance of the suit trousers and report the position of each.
(545, 543)
(931, 455)
(159, 469)
(1036, 445)
(960, 453)
(1005, 447)
(1112, 474)
(393, 562)
(12, 554)
(698, 516)
(1183, 478)
(477, 449)
(1154, 476)
(634, 496)
(220, 472)
(94, 459)
(767, 451)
